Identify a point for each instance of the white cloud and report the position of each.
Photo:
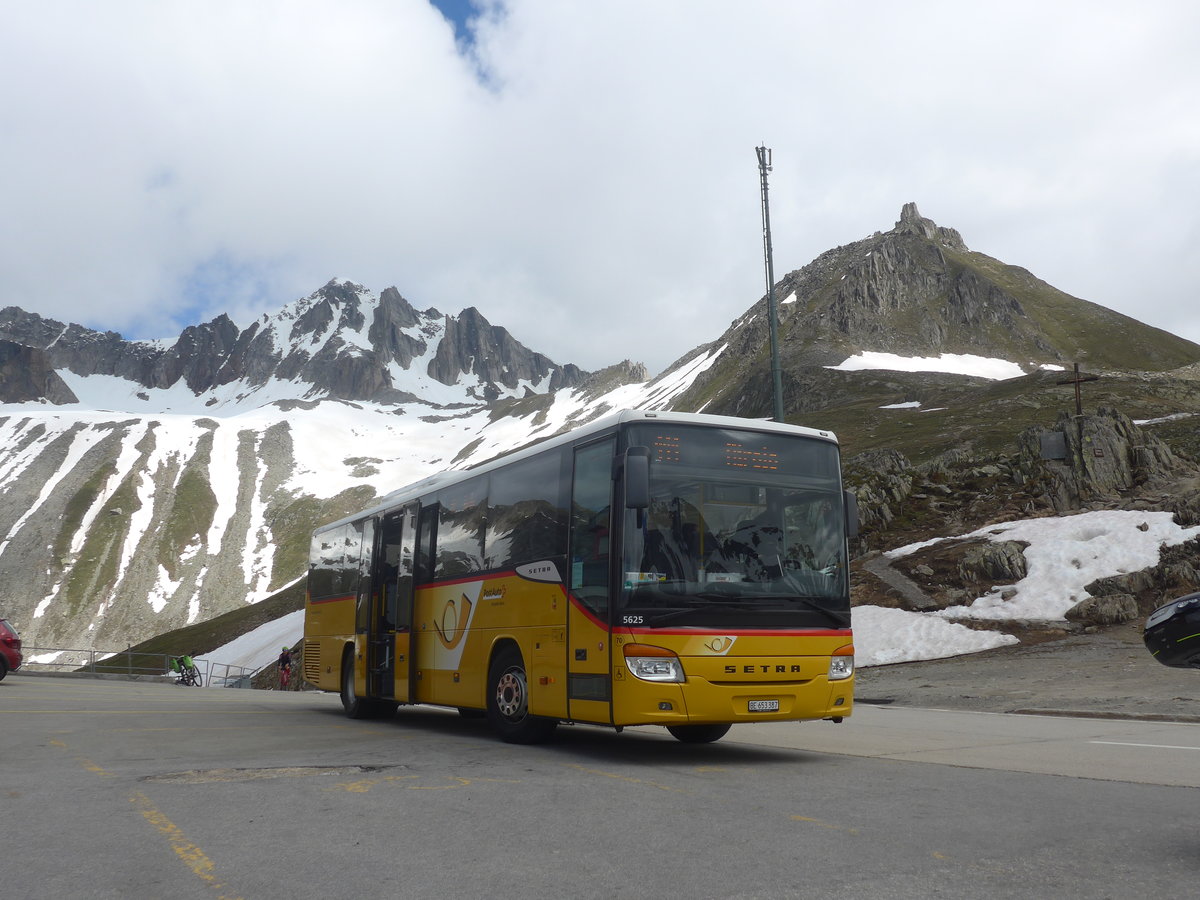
(598, 193)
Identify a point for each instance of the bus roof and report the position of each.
(596, 426)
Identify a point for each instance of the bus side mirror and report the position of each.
(637, 478)
(851, 504)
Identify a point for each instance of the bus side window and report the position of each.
(425, 534)
(527, 512)
(460, 532)
(591, 511)
(325, 559)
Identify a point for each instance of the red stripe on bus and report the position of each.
(591, 616)
(333, 599)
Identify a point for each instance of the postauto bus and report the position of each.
(649, 568)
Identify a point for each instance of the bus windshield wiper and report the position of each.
(673, 614)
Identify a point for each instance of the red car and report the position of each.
(10, 649)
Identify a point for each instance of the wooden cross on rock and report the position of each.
(1077, 380)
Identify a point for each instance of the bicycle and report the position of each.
(185, 669)
(285, 668)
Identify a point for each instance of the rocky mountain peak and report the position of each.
(916, 291)
(472, 345)
(912, 222)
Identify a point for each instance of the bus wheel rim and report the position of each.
(510, 695)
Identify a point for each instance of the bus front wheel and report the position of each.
(698, 734)
(357, 707)
(508, 701)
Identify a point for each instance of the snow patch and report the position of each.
(952, 363)
(1064, 554)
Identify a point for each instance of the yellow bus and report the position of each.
(649, 568)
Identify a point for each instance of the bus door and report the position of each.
(589, 661)
(389, 661)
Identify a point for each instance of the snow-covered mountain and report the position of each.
(173, 481)
(343, 341)
(146, 485)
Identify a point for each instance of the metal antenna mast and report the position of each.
(764, 166)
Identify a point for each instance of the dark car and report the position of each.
(10, 649)
(1172, 633)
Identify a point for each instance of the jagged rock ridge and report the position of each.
(342, 341)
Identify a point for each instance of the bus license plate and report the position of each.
(764, 706)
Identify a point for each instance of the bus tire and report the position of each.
(508, 701)
(355, 707)
(698, 734)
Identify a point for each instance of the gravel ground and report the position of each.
(1105, 673)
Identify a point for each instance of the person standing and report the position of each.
(285, 668)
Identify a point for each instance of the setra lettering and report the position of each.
(777, 669)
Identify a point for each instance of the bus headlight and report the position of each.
(653, 663)
(841, 664)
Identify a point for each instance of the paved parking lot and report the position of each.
(150, 791)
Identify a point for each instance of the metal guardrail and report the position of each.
(225, 675)
(125, 662)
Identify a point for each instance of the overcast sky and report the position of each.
(582, 172)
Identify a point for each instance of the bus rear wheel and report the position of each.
(698, 734)
(508, 702)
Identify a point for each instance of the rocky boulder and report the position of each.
(1111, 609)
(1087, 459)
(881, 480)
(1177, 573)
(994, 562)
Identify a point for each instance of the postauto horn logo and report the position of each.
(720, 645)
(451, 627)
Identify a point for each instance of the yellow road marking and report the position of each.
(82, 760)
(462, 782)
(365, 784)
(191, 855)
(362, 785)
(92, 767)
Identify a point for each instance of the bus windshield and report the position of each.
(743, 528)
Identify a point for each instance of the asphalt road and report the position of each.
(113, 789)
